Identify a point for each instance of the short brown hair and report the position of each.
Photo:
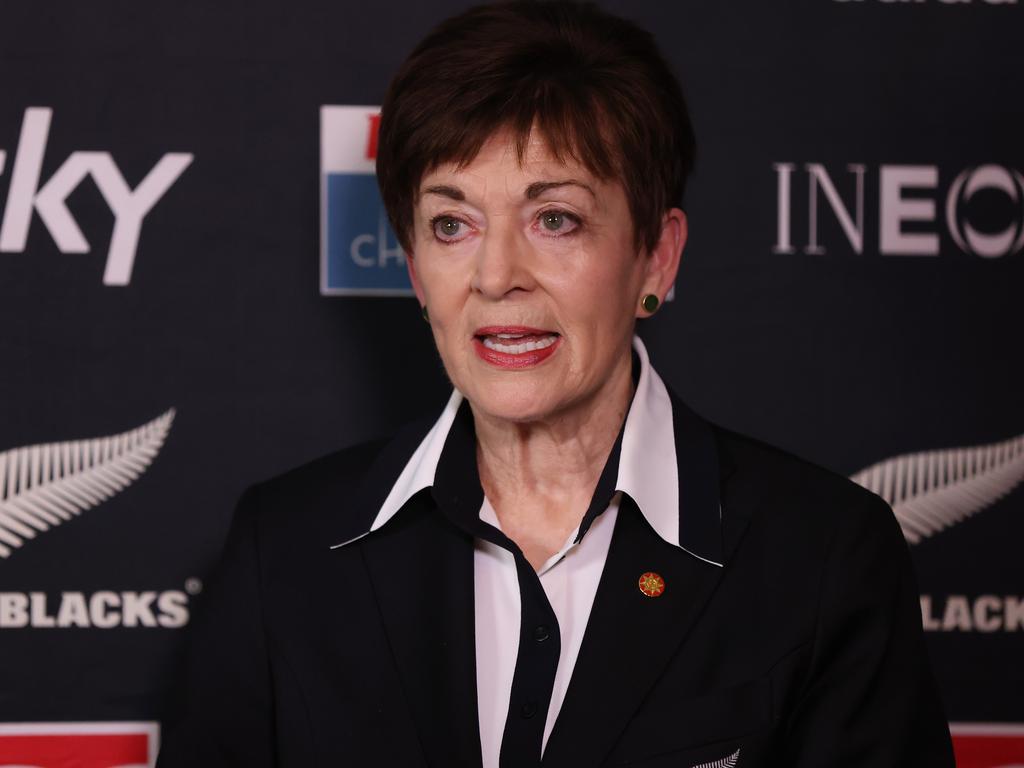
(594, 85)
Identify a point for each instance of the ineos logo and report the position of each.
(964, 187)
(907, 201)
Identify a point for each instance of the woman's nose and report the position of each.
(502, 262)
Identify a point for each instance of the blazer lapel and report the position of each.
(421, 569)
(630, 637)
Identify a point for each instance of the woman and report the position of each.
(568, 563)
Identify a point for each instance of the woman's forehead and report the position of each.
(537, 164)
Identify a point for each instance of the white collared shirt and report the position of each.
(647, 472)
(570, 579)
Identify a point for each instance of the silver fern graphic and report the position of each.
(43, 485)
(932, 490)
(725, 762)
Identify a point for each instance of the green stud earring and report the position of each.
(426, 315)
(650, 303)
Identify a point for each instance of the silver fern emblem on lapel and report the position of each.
(725, 762)
(932, 490)
(43, 485)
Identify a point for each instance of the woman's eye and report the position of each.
(447, 228)
(559, 222)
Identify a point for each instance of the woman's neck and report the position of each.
(540, 476)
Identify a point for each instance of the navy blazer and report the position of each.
(804, 650)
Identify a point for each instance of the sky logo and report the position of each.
(359, 254)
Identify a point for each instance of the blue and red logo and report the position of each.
(359, 254)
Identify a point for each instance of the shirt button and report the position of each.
(528, 710)
(540, 634)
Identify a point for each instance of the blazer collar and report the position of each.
(668, 464)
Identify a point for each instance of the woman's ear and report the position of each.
(663, 260)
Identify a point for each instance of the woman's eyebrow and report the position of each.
(445, 191)
(538, 188)
(533, 191)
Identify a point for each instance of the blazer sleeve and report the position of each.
(870, 698)
(225, 709)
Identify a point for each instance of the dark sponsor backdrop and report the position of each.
(839, 347)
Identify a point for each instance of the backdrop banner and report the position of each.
(199, 289)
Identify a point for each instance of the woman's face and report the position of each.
(531, 278)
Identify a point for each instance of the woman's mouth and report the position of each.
(513, 344)
(514, 347)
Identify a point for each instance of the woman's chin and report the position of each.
(514, 402)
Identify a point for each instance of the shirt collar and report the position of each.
(661, 444)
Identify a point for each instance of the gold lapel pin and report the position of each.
(651, 584)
